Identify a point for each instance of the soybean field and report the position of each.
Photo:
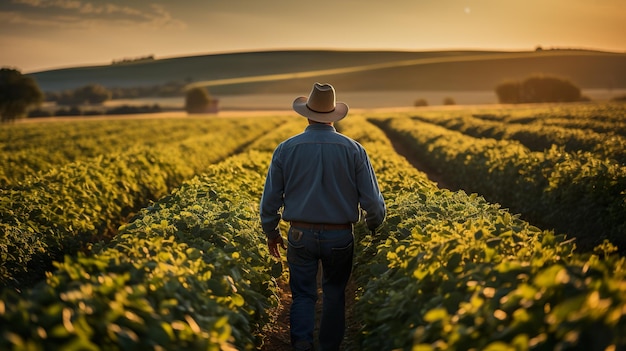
(144, 234)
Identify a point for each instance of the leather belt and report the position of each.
(321, 226)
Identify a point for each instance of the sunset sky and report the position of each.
(42, 34)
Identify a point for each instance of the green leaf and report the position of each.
(552, 276)
(437, 314)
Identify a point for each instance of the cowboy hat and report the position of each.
(321, 106)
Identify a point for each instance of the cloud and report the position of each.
(85, 14)
(16, 18)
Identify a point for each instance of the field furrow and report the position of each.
(573, 193)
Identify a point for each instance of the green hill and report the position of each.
(290, 71)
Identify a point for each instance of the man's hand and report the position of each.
(273, 245)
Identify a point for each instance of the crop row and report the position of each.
(599, 118)
(29, 148)
(189, 272)
(535, 134)
(450, 271)
(446, 271)
(575, 193)
(62, 211)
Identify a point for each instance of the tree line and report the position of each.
(78, 111)
(96, 93)
(20, 94)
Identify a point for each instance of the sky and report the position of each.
(38, 35)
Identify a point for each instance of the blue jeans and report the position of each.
(335, 250)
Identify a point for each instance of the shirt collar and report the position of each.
(320, 127)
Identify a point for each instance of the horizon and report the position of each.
(56, 34)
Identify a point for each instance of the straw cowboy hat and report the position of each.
(321, 106)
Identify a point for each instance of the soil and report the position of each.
(433, 174)
(277, 338)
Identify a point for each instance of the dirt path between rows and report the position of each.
(277, 335)
(432, 174)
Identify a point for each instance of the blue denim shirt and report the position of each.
(320, 176)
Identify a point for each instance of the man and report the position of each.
(319, 180)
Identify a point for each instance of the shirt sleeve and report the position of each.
(272, 198)
(370, 197)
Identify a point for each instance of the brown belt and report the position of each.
(321, 226)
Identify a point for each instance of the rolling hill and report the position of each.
(355, 71)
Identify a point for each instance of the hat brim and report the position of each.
(340, 111)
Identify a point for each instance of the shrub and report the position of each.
(449, 101)
(549, 89)
(73, 111)
(420, 102)
(127, 109)
(199, 100)
(40, 113)
(508, 92)
(538, 89)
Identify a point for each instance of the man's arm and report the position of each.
(370, 197)
(272, 199)
(271, 202)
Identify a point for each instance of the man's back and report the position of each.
(324, 177)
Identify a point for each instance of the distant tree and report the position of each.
(538, 89)
(420, 102)
(127, 109)
(199, 100)
(72, 111)
(93, 94)
(449, 101)
(549, 89)
(171, 88)
(40, 113)
(65, 98)
(18, 93)
(508, 92)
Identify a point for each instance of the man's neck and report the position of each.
(316, 122)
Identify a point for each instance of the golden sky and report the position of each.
(43, 34)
